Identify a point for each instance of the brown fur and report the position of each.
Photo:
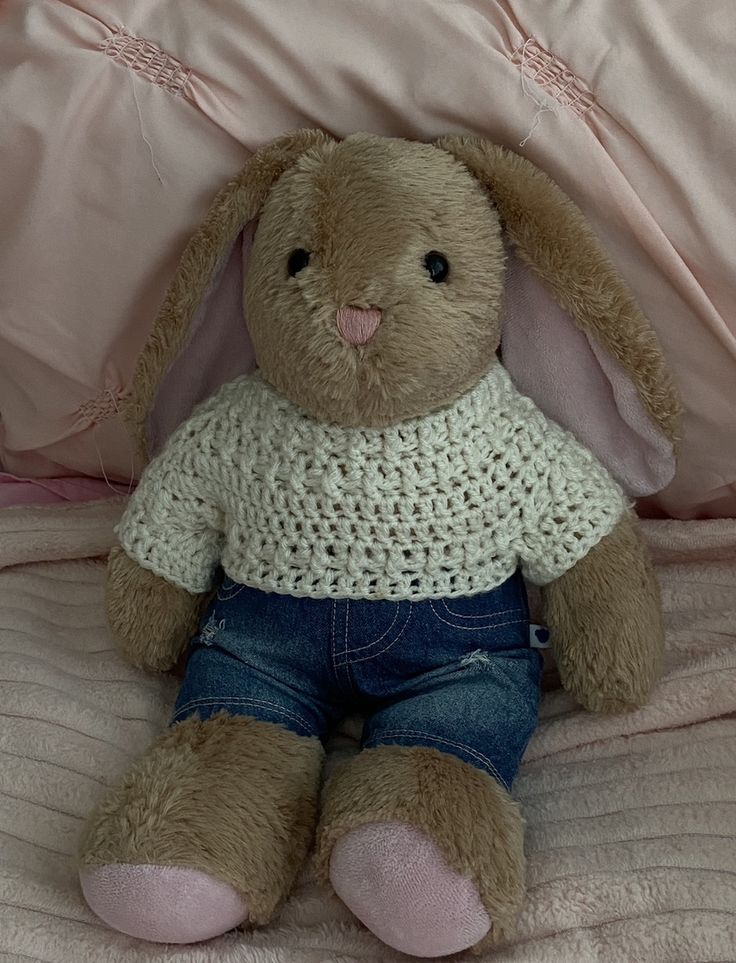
(151, 620)
(369, 209)
(553, 237)
(231, 796)
(236, 204)
(605, 618)
(473, 820)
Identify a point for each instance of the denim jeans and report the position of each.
(457, 675)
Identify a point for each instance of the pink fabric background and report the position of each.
(108, 168)
(48, 491)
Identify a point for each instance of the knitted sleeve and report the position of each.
(574, 504)
(173, 525)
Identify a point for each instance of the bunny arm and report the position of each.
(605, 619)
(151, 619)
(173, 525)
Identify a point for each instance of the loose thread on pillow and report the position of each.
(131, 481)
(116, 406)
(543, 107)
(109, 484)
(143, 135)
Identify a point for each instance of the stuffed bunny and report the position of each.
(350, 529)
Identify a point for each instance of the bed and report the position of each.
(631, 820)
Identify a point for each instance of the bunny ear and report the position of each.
(217, 347)
(573, 339)
(206, 274)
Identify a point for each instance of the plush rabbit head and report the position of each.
(384, 277)
(375, 281)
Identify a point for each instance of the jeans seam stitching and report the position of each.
(347, 616)
(475, 628)
(489, 615)
(200, 703)
(381, 637)
(228, 598)
(457, 745)
(212, 700)
(374, 655)
(333, 641)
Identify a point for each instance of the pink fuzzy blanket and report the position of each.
(631, 820)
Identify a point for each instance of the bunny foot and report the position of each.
(424, 848)
(209, 828)
(396, 881)
(164, 904)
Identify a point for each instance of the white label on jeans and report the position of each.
(539, 636)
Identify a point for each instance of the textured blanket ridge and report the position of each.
(631, 820)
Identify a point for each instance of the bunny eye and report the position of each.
(437, 266)
(298, 260)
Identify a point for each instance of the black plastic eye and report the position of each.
(437, 266)
(298, 260)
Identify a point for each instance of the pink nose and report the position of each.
(358, 325)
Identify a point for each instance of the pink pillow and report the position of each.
(107, 166)
(125, 119)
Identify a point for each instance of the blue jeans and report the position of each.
(457, 675)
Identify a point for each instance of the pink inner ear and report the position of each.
(574, 381)
(217, 350)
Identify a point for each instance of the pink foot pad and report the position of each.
(396, 881)
(164, 904)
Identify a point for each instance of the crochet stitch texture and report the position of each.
(440, 506)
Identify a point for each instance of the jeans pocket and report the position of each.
(476, 613)
(228, 589)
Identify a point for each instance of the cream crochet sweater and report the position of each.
(444, 505)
